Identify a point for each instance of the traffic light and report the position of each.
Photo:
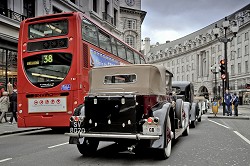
(223, 69)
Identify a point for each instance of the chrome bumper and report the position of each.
(119, 136)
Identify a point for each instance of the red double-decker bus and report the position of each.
(55, 53)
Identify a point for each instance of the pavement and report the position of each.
(244, 114)
(6, 128)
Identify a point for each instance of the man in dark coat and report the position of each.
(13, 106)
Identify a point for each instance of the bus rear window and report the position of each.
(48, 29)
(47, 70)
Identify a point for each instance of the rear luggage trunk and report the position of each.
(110, 114)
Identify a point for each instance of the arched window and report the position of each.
(130, 40)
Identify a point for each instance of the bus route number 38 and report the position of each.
(76, 128)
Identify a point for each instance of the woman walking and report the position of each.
(4, 106)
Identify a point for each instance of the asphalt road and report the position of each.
(214, 142)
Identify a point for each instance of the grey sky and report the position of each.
(172, 19)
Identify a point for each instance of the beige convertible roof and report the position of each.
(150, 79)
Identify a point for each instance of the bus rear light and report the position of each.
(75, 102)
(71, 38)
(19, 105)
(70, 112)
(20, 111)
(24, 44)
(24, 50)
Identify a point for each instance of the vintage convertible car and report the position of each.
(129, 105)
(185, 91)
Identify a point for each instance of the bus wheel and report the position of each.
(88, 147)
(166, 151)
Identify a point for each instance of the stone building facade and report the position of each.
(111, 14)
(190, 58)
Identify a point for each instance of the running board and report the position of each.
(178, 132)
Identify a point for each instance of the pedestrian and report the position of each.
(13, 106)
(235, 103)
(228, 101)
(4, 106)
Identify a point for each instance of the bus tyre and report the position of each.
(166, 151)
(178, 111)
(88, 147)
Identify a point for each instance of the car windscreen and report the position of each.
(47, 70)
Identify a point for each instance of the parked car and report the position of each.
(131, 106)
(185, 90)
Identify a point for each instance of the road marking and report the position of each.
(58, 145)
(218, 123)
(241, 136)
(5, 160)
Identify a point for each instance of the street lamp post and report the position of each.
(215, 72)
(234, 28)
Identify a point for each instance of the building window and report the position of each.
(232, 55)
(192, 66)
(187, 67)
(232, 43)
(246, 66)
(182, 60)
(115, 16)
(219, 58)
(182, 68)
(246, 36)
(219, 47)
(246, 50)
(56, 10)
(29, 8)
(213, 49)
(95, 5)
(178, 70)
(239, 39)
(178, 61)
(239, 68)
(172, 63)
(182, 78)
(192, 77)
(131, 24)
(177, 78)
(238, 53)
(232, 69)
(106, 6)
(130, 40)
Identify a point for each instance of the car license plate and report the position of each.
(151, 129)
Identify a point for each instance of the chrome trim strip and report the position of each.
(120, 136)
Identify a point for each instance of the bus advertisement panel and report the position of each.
(55, 53)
